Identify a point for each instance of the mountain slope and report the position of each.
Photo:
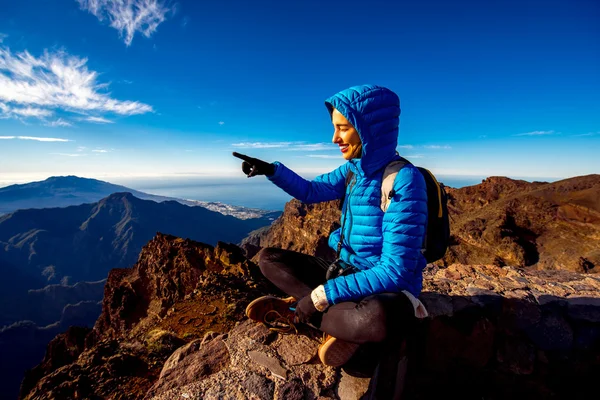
(58, 191)
(542, 225)
(64, 191)
(81, 243)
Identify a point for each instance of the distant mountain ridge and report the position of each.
(84, 242)
(63, 191)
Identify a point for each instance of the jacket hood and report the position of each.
(374, 111)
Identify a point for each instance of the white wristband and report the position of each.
(319, 298)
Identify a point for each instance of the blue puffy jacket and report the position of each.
(386, 247)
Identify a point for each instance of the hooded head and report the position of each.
(374, 112)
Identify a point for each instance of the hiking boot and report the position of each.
(336, 352)
(274, 312)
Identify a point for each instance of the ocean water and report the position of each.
(255, 192)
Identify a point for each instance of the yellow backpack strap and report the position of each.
(439, 192)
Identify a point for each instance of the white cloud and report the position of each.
(436, 147)
(128, 16)
(323, 156)
(587, 134)
(59, 122)
(100, 151)
(34, 87)
(406, 146)
(43, 139)
(312, 147)
(261, 145)
(31, 112)
(70, 154)
(81, 148)
(288, 146)
(39, 139)
(27, 112)
(97, 120)
(2, 37)
(536, 133)
(415, 156)
(221, 123)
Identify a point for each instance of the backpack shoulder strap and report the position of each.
(387, 181)
(349, 177)
(439, 188)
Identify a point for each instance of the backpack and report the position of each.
(437, 234)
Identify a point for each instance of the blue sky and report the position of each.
(95, 89)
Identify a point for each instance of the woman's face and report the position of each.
(345, 136)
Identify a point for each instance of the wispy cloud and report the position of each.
(312, 147)
(2, 37)
(587, 134)
(405, 146)
(43, 139)
(287, 146)
(128, 16)
(70, 154)
(59, 122)
(34, 86)
(436, 147)
(39, 139)
(261, 145)
(221, 123)
(100, 151)
(11, 112)
(536, 133)
(415, 156)
(97, 120)
(324, 156)
(31, 112)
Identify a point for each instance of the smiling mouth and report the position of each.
(344, 148)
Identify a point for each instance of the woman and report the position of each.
(374, 292)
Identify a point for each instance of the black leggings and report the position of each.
(373, 319)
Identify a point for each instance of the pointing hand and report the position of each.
(253, 166)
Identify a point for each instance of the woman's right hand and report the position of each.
(253, 166)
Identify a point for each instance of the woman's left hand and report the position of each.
(305, 309)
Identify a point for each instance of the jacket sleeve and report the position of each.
(401, 259)
(330, 186)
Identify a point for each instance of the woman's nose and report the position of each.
(336, 137)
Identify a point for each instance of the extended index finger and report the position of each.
(242, 156)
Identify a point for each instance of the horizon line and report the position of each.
(42, 177)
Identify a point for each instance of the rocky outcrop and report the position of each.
(302, 227)
(177, 291)
(500, 221)
(493, 333)
(538, 225)
(174, 327)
